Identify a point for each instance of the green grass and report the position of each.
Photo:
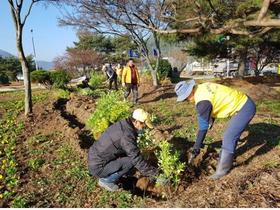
(274, 106)
(19, 202)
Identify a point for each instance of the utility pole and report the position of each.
(34, 52)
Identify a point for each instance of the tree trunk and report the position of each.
(153, 72)
(154, 77)
(25, 72)
(242, 63)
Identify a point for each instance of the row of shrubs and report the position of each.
(56, 79)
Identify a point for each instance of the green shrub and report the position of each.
(109, 109)
(164, 69)
(145, 140)
(86, 91)
(41, 76)
(96, 80)
(169, 163)
(59, 79)
(4, 79)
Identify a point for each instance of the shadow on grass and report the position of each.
(265, 135)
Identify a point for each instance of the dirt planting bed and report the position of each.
(253, 182)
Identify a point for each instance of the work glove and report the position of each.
(194, 152)
(123, 84)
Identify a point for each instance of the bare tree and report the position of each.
(61, 63)
(19, 20)
(76, 59)
(83, 58)
(121, 18)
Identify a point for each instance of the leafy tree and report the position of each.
(122, 44)
(245, 21)
(11, 66)
(263, 48)
(238, 17)
(94, 41)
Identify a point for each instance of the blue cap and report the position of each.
(183, 89)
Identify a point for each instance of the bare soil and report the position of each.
(253, 182)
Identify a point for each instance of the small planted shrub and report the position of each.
(146, 140)
(164, 69)
(4, 79)
(109, 109)
(169, 164)
(59, 79)
(96, 80)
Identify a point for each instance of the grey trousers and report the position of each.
(134, 89)
(121, 165)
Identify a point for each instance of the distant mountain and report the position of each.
(5, 54)
(46, 65)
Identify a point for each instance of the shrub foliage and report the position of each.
(109, 109)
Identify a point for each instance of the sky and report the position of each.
(50, 39)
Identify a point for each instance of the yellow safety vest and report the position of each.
(225, 101)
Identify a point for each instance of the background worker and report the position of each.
(119, 69)
(116, 152)
(218, 101)
(131, 80)
(111, 75)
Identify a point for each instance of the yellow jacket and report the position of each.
(126, 75)
(225, 101)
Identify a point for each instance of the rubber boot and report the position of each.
(109, 183)
(224, 164)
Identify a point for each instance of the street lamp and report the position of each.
(34, 49)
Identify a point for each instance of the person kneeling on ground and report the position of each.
(218, 101)
(116, 152)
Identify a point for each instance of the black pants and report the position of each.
(115, 80)
(134, 89)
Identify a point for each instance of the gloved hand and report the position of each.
(123, 84)
(194, 152)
